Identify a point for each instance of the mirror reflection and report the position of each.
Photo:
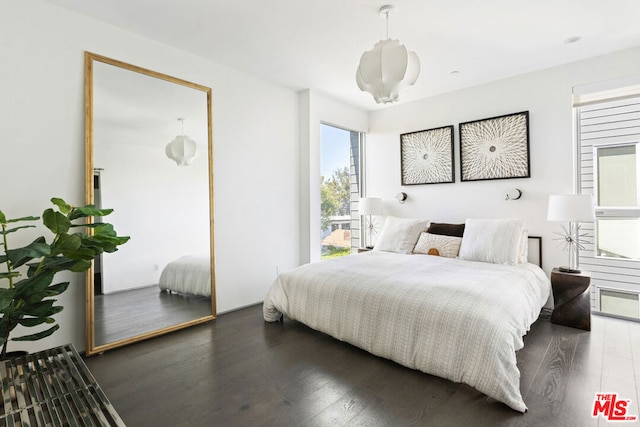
(149, 158)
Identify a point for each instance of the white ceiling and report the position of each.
(317, 44)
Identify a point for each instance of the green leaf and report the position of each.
(39, 335)
(34, 321)
(5, 275)
(106, 238)
(3, 219)
(36, 249)
(55, 221)
(104, 229)
(88, 210)
(54, 264)
(64, 207)
(80, 266)
(65, 243)
(84, 253)
(6, 297)
(60, 263)
(30, 288)
(57, 289)
(41, 309)
(13, 230)
(24, 218)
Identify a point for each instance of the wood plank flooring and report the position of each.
(239, 370)
(137, 311)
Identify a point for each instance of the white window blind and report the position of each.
(609, 158)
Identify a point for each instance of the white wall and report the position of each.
(547, 95)
(255, 131)
(316, 109)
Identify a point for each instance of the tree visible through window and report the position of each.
(339, 191)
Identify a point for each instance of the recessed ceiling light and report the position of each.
(571, 39)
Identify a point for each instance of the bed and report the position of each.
(190, 274)
(459, 319)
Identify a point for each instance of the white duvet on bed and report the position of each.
(189, 274)
(460, 320)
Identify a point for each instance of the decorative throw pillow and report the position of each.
(491, 240)
(445, 229)
(399, 235)
(439, 245)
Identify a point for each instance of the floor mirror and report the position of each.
(149, 157)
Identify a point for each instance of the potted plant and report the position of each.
(30, 270)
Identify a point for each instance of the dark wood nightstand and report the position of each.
(572, 304)
(364, 249)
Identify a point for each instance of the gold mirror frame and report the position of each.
(90, 59)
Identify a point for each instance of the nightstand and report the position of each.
(364, 249)
(572, 303)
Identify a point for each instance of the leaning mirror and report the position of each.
(149, 157)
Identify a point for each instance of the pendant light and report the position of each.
(182, 149)
(388, 68)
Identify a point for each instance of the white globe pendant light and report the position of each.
(388, 68)
(182, 149)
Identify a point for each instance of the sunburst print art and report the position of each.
(495, 148)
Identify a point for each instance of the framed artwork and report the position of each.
(426, 156)
(495, 148)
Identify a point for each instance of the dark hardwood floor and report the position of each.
(239, 370)
(137, 311)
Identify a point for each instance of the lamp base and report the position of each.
(569, 270)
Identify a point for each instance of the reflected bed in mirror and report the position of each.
(149, 157)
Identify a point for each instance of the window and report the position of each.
(608, 136)
(617, 212)
(618, 303)
(340, 189)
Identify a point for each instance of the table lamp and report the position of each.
(572, 209)
(370, 206)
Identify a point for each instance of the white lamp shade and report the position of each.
(386, 69)
(371, 206)
(573, 208)
(182, 150)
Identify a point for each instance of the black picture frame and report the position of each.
(426, 156)
(495, 148)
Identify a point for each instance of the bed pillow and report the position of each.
(399, 235)
(491, 240)
(523, 253)
(439, 245)
(444, 229)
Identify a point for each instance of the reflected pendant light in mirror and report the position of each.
(182, 149)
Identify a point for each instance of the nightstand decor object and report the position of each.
(572, 304)
(572, 209)
(370, 206)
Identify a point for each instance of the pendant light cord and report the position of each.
(387, 15)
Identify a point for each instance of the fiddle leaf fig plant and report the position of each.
(26, 284)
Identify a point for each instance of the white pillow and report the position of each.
(491, 240)
(438, 245)
(523, 252)
(399, 235)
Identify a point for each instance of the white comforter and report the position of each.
(459, 320)
(189, 274)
